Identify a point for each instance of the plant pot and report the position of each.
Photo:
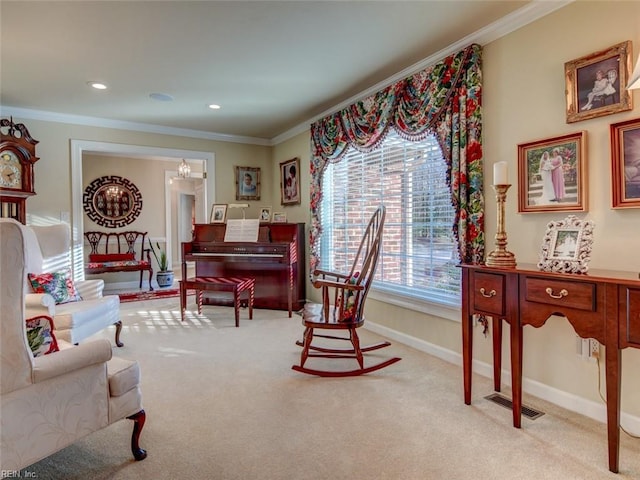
(164, 279)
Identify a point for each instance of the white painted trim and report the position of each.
(129, 126)
(449, 312)
(509, 23)
(568, 401)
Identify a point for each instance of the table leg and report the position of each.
(613, 374)
(496, 324)
(516, 372)
(467, 349)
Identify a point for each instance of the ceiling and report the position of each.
(271, 66)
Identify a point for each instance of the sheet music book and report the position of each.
(242, 230)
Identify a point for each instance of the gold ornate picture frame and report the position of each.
(566, 246)
(625, 164)
(596, 83)
(552, 174)
(247, 183)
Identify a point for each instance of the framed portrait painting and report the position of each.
(625, 164)
(596, 83)
(566, 246)
(247, 183)
(290, 182)
(552, 174)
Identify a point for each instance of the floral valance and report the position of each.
(445, 100)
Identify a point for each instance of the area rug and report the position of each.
(138, 296)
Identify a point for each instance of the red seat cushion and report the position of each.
(110, 257)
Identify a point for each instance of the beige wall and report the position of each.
(523, 76)
(53, 170)
(523, 101)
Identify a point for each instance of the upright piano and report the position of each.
(276, 261)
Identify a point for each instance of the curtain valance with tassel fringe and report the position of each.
(444, 99)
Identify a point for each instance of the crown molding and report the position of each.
(122, 125)
(509, 23)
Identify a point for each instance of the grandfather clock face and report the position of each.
(10, 170)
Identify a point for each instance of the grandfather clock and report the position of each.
(17, 156)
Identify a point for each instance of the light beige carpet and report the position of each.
(223, 403)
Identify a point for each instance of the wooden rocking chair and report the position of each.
(342, 308)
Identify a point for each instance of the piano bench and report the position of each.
(236, 285)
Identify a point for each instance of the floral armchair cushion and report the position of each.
(57, 284)
(40, 336)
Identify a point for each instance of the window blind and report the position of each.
(419, 252)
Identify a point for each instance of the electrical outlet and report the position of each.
(594, 348)
(587, 348)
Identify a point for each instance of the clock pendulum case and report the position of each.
(17, 156)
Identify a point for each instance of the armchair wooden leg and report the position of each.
(138, 422)
(118, 325)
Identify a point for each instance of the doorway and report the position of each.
(206, 181)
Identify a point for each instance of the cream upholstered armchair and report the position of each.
(49, 401)
(48, 250)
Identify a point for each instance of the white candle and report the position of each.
(500, 173)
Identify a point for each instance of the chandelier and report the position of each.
(114, 192)
(184, 169)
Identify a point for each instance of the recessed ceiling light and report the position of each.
(97, 85)
(213, 106)
(161, 97)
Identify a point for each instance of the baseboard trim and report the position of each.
(568, 401)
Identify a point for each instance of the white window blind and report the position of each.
(419, 252)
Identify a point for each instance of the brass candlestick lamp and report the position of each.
(501, 257)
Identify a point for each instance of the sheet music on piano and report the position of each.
(241, 230)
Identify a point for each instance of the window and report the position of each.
(419, 251)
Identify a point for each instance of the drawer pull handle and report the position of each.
(492, 293)
(563, 293)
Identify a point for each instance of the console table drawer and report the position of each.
(488, 293)
(578, 295)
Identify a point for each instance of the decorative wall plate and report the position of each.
(112, 201)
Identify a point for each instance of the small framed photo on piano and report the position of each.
(218, 213)
(265, 214)
(279, 217)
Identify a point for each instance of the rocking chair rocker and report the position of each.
(342, 307)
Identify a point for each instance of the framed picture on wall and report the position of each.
(552, 174)
(625, 164)
(596, 83)
(290, 182)
(247, 183)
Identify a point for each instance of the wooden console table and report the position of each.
(602, 304)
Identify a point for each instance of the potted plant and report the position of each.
(164, 276)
